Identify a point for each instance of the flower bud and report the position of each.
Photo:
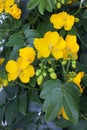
(44, 74)
(5, 82)
(51, 70)
(58, 5)
(40, 80)
(53, 75)
(62, 1)
(64, 62)
(40, 64)
(38, 72)
(76, 19)
(73, 64)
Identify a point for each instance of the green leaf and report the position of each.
(2, 111)
(33, 81)
(41, 7)
(11, 111)
(73, 31)
(81, 125)
(2, 97)
(48, 87)
(73, 90)
(22, 103)
(25, 121)
(70, 107)
(52, 105)
(63, 123)
(58, 95)
(14, 52)
(11, 91)
(31, 33)
(84, 23)
(45, 26)
(32, 4)
(83, 58)
(15, 39)
(48, 5)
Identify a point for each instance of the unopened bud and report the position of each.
(40, 80)
(53, 75)
(62, 1)
(44, 74)
(73, 64)
(76, 19)
(51, 70)
(38, 72)
(58, 5)
(64, 62)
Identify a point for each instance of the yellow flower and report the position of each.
(63, 113)
(2, 60)
(15, 11)
(28, 54)
(62, 19)
(52, 43)
(21, 70)
(72, 47)
(5, 5)
(77, 80)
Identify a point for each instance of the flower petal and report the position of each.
(26, 74)
(12, 76)
(28, 53)
(11, 66)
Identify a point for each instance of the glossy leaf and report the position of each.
(22, 103)
(32, 4)
(57, 95)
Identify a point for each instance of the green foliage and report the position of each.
(15, 39)
(42, 5)
(64, 96)
(30, 106)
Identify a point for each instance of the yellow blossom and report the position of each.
(28, 54)
(1, 60)
(52, 43)
(62, 19)
(21, 70)
(72, 47)
(5, 5)
(77, 80)
(63, 113)
(15, 11)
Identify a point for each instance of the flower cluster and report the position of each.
(22, 67)
(10, 7)
(54, 44)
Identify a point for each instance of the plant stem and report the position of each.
(68, 64)
(30, 88)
